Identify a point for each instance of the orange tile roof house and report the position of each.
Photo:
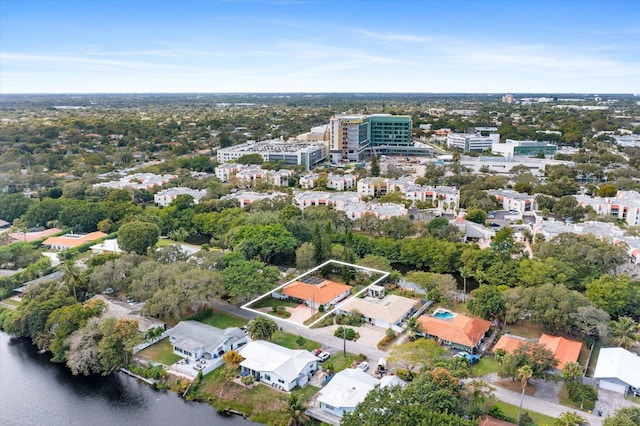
(564, 350)
(510, 343)
(325, 292)
(456, 329)
(68, 241)
(33, 236)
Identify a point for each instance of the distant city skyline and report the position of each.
(492, 46)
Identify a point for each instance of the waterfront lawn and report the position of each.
(261, 403)
(486, 365)
(288, 340)
(217, 319)
(161, 352)
(512, 411)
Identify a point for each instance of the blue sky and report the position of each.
(93, 46)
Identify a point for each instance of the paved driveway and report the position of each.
(609, 401)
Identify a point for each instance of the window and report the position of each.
(267, 377)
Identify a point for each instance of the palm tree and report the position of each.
(262, 328)
(296, 409)
(524, 374)
(71, 276)
(624, 332)
(465, 272)
(413, 327)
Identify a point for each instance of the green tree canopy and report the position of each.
(138, 236)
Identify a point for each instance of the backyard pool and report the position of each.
(442, 314)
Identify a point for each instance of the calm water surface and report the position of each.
(34, 391)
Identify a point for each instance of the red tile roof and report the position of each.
(70, 242)
(509, 343)
(321, 293)
(564, 350)
(461, 329)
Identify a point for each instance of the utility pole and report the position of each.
(344, 341)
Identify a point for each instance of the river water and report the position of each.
(34, 391)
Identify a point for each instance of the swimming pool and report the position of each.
(443, 314)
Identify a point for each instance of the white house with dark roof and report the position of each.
(618, 370)
(275, 365)
(350, 387)
(195, 340)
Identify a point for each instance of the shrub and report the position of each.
(300, 341)
(347, 333)
(247, 380)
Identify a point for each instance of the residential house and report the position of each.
(618, 370)
(278, 366)
(68, 241)
(345, 391)
(474, 232)
(34, 235)
(564, 350)
(106, 246)
(315, 292)
(388, 312)
(195, 340)
(454, 329)
(247, 197)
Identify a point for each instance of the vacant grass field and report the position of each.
(288, 340)
(512, 411)
(161, 352)
(219, 319)
(485, 366)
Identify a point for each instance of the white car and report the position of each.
(364, 366)
(323, 356)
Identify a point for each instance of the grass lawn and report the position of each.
(288, 340)
(161, 352)
(262, 403)
(593, 361)
(219, 319)
(512, 411)
(12, 302)
(564, 399)
(338, 362)
(631, 398)
(164, 242)
(524, 329)
(485, 366)
(270, 302)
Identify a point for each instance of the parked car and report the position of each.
(363, 366)
(323, 356)
(317, 352)
(494, 224)
(473, 359)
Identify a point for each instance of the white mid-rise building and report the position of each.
(514, 200)
(471, 141)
